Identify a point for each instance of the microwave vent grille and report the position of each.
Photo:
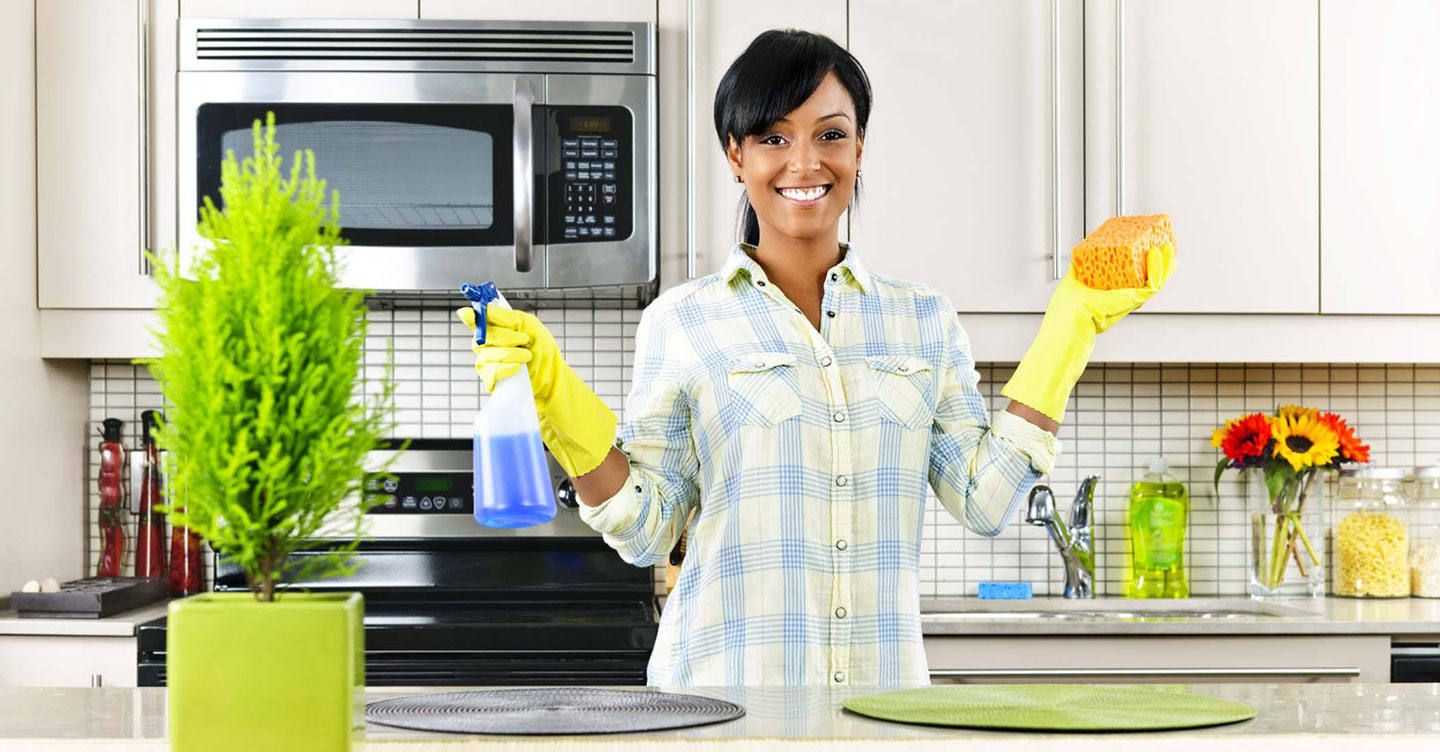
(415, 45)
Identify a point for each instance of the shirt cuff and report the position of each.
(617, 513)
(1037, 444)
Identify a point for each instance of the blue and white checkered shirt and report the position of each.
(804, 455)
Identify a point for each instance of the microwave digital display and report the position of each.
(589, 124)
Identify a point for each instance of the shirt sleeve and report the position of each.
(981, 471)
(644, 519)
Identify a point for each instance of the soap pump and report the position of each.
(1157, 516)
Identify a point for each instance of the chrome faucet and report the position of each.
(1074, 542)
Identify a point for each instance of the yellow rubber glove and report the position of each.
(577, 427)
(1057, 357)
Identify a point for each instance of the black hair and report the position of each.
(770, 79)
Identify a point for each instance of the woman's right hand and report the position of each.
(577, 427)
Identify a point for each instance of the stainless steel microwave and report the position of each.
(518, 152)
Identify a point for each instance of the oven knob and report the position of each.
(565, 494)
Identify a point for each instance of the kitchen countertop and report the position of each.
(119, 625)
(1312, 717)
(1419, 617)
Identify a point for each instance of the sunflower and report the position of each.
(1243, 438)
(1304, 440)
(1295, 411)
(1350, 447)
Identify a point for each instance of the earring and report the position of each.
(859, 173)
(739, 179)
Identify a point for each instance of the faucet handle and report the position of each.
(1081, 510)
(1040, 508)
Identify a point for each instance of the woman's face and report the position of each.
(800, 173)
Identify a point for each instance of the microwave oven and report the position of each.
(522, 153)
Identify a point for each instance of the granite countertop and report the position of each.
(1419, 617)
(119, 625)
(1312, 717)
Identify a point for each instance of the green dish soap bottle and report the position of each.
(1158, 515)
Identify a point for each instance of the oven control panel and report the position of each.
(423, 493)
(589, 174)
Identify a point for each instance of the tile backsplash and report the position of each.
(1121, 415)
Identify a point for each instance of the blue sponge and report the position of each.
(1019, 591)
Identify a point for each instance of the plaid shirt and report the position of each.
(804, 455)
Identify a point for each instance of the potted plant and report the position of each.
(265, 441)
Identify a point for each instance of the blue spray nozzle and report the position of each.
(479, 296)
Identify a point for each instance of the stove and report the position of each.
(451, 603)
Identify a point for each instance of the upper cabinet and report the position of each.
(963, 184)
(1379, 153)
(300, 8)
(540, 10)
(97, 109)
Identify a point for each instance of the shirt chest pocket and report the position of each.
(763, 389)
(905, 388)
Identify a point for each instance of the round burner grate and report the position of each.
(546, 710)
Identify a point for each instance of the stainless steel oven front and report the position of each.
(518, 152)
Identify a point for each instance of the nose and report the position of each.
(804, 158)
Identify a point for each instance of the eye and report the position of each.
(774, 139)
(834, 134)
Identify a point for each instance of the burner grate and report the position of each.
(550, 710)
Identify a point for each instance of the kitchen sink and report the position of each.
(1115, 610)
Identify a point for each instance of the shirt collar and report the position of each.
(741, 260)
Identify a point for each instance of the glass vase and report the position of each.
(1287, 536)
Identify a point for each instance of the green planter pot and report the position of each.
(245, 675)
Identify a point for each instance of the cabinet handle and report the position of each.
(690, 140)
(1119, 108)
(990, 673)
(142, 23)
(1055, 138)
(524, 172)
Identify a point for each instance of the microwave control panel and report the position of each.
(590, 161)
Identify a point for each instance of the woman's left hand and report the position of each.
(1074, 301)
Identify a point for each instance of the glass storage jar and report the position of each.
(1425, 534)
(1370, 534)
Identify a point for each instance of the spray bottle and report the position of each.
(512, 481)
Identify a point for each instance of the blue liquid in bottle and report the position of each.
(512, 481)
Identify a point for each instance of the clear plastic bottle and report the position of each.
(1158, 514)
(512, 481)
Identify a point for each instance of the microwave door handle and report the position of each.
(524, 172)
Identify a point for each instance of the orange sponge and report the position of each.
(1113, 256)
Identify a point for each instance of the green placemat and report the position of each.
(1050, 707)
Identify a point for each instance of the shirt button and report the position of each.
(839, 417)
(840, 612)
(841, 544)
(834, 277)
(831, 314)
(903, 369)
(839, 677)
(760, 282)
(841, 480)
(826, 361)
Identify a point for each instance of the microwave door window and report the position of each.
(426, 176)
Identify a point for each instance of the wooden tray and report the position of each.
(91, 598)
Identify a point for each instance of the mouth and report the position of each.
(805, 196)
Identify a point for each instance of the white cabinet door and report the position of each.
(67, 661)
(1220, 131)
(541, 10)
(300, 8)
(88, 154)
(958, 188)
(1380, 155)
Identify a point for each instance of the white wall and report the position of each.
(42, 433)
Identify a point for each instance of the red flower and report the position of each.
(1243, 438)
(1350, 447)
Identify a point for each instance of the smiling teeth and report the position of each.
(804, 194)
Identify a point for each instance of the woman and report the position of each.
(798, 404)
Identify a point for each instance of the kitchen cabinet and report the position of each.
(1220, 125)
(104, 148)
(541, 10)
(300, 8)
(1380, 108)
(960, 168)
(66, 661)
(721, 32)
(1285, 658)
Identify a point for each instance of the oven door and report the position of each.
(435, 172)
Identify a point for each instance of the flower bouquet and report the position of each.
(1286, 451)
